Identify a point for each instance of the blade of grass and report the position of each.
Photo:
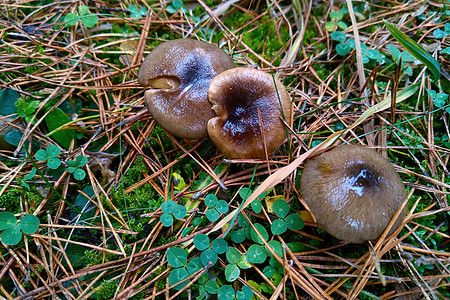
(415, 49)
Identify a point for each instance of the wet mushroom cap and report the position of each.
(353, 192)
(179, 72)
(241, 97)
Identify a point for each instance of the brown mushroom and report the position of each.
(353, 192)
(241, 97)
(179, 73)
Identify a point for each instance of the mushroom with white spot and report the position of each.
(353, 193)
(250, 105)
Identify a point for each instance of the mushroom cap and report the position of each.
(353, 192)
(237, 95)
(180, 72)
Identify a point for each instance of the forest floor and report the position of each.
(98, 201)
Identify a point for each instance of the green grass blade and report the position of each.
(415, 49)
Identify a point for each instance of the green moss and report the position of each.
(10, 201)
(107, 289)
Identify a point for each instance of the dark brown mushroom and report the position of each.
(353, 193)
(179, 73)
(241, 98)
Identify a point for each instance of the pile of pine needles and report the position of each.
(43, 59)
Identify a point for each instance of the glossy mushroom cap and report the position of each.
(353, 193)
(237, 95)
(179, 71)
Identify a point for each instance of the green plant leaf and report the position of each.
(440, 100)
(295, 247)
(194, 265)
(256, 254)
(11, 236)
(336, 15)
(394, 51)
(373, 54)
(438, 33)
(262, 231)
(79, 174)
(53, 151)
(71, 170)
(84, 204)
(168, 207)
(8, 100)
(220, 246)
(41, 155)
(243, 262)
(415, 49)
(14, 136)
(232, 272)
(276, 247)
(294, 222)
(177, 275)
(238, 236)
(71, 19)
(245, 192)
(208, 256)
(226, 292)
(201, 242)
(29, 224)
(407, 57)
(179, 211)
(7, 220)
(245, 294)
(30, 175)
(222, 206)
(256, 206)
(186, 231)
(83, 10)
(53, 163)
(212, 214)
(55, 119)
(176, 257)
(178, 181)
(242, 221)
(338, 36)
(281, 208)
(211, 287)
(204, 277)
(166, 219)
(210, 200)
(278, 227)
(269, 271)
(342, 49)
(432, 94)
(233, 255)
(81, 160)
(342, 25)
(89, 20)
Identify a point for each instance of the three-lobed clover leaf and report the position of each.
(286, 220)
(12, 232)
(74, 167)
(177, 259)
(137, 13)
(170, 210)
(215, 207)
(50, 155)
(210, 250)
(89, 20)
(439, 99)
